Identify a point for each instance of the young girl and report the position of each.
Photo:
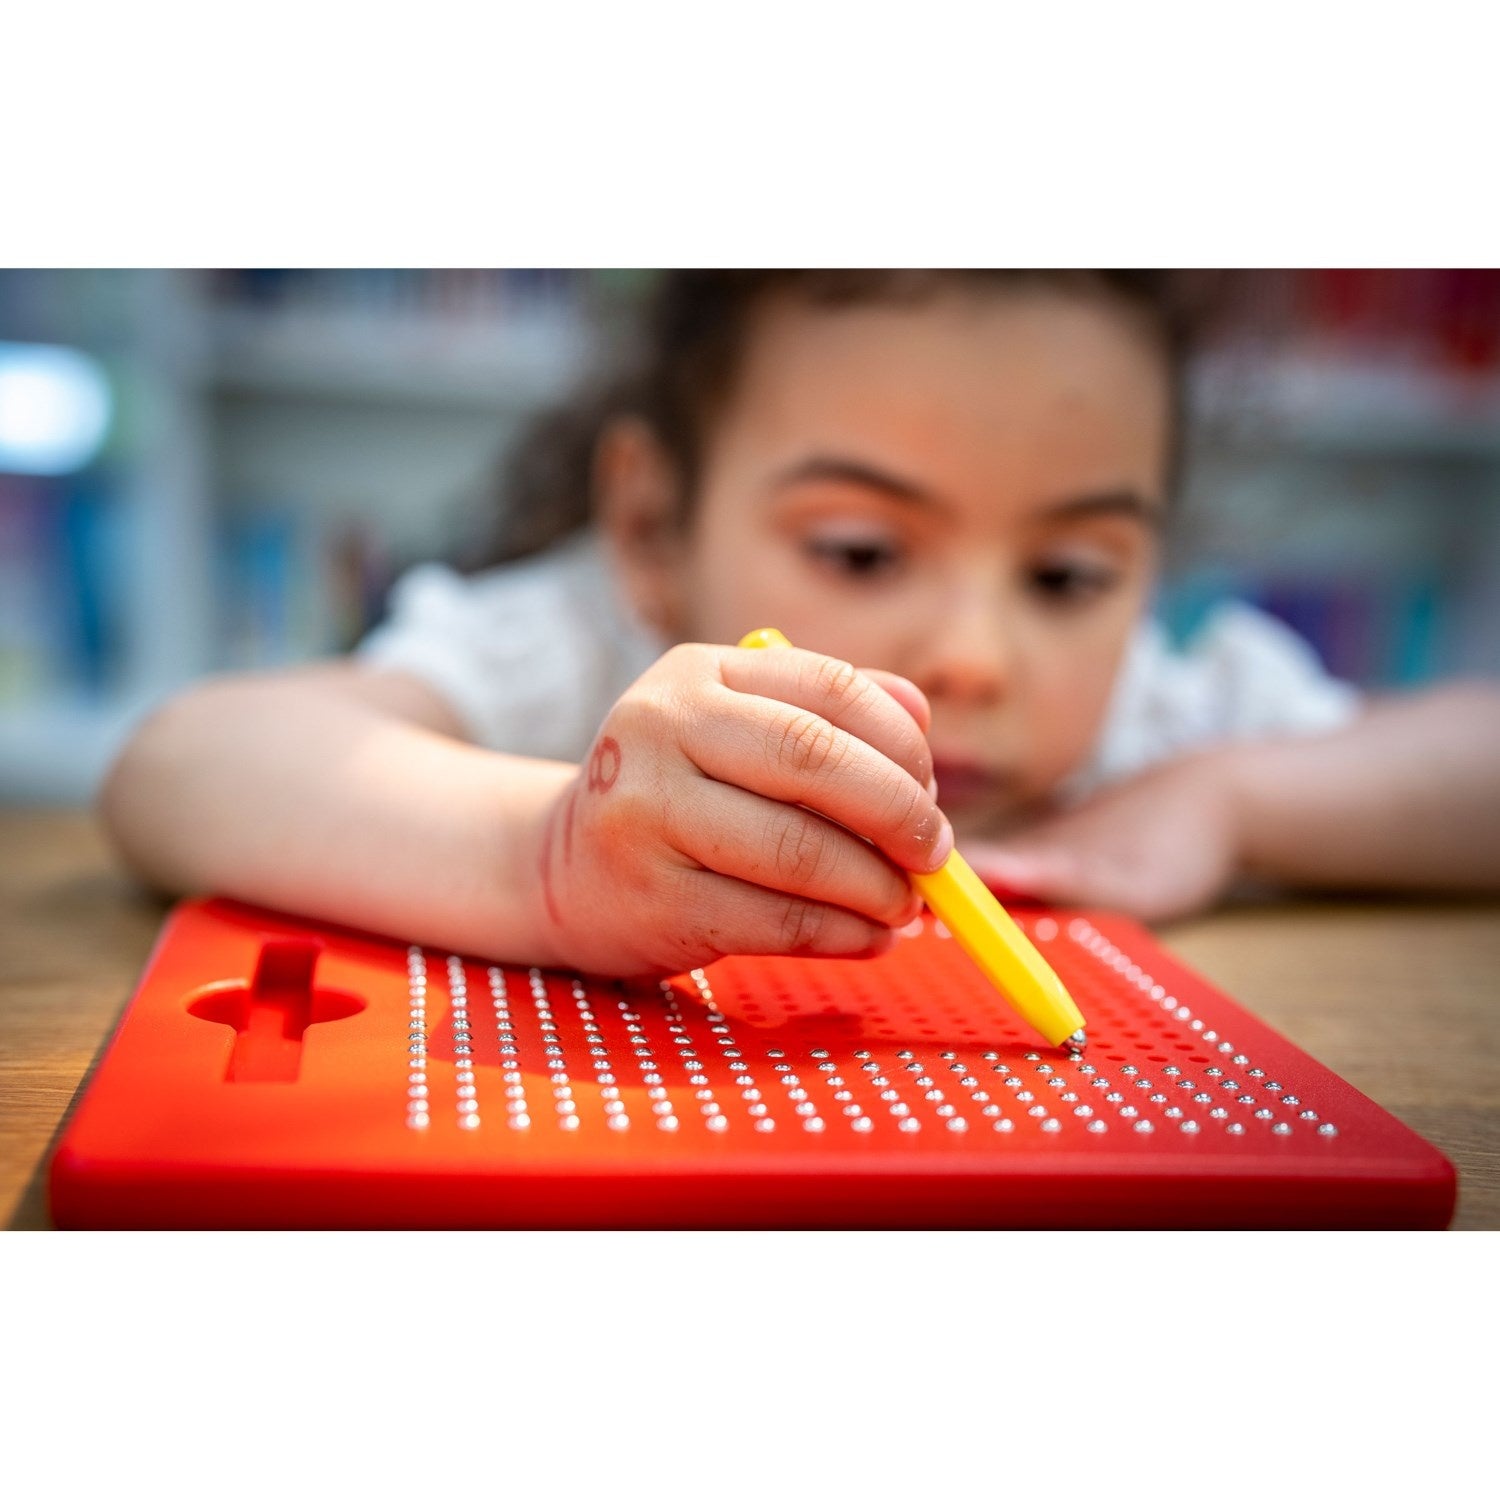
(947, 489)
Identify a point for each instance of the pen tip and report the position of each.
(1077, 1042)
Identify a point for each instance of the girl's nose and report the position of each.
(966, 656)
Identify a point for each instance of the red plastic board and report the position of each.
(273, 1072)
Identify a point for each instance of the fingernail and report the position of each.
(942, 845)
(912, 928)
(932, 790)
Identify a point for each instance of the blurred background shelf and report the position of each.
(1345, 407)
(57, 751)
(284, 443)
(490, 362)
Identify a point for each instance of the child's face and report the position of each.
(966, 491)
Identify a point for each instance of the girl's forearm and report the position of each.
(290, 795)
(1408, 797)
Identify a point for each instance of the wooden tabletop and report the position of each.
(1400, 998)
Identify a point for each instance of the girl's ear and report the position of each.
(637, 508)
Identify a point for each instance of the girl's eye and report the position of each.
(1072, 582)
(856, 557)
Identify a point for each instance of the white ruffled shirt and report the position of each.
(532, 656)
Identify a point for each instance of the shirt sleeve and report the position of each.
(1244, 676)
(530, 656)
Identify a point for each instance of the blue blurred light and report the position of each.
(55, 407)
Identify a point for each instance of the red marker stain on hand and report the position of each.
(603, 772)
(604, 765)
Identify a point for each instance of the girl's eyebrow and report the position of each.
(853, 471)
(1120, 502)
(1124, 502)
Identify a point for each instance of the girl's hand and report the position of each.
(1161, 845)
(741, 801)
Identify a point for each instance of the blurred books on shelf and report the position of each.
(296, 588)
(1377, 633)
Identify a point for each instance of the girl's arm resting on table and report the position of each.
(1406, 797)
(339, 794)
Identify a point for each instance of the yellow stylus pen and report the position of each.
(988, 933)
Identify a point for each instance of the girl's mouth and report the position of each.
(965, 785)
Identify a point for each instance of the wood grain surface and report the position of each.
(1400, 998)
